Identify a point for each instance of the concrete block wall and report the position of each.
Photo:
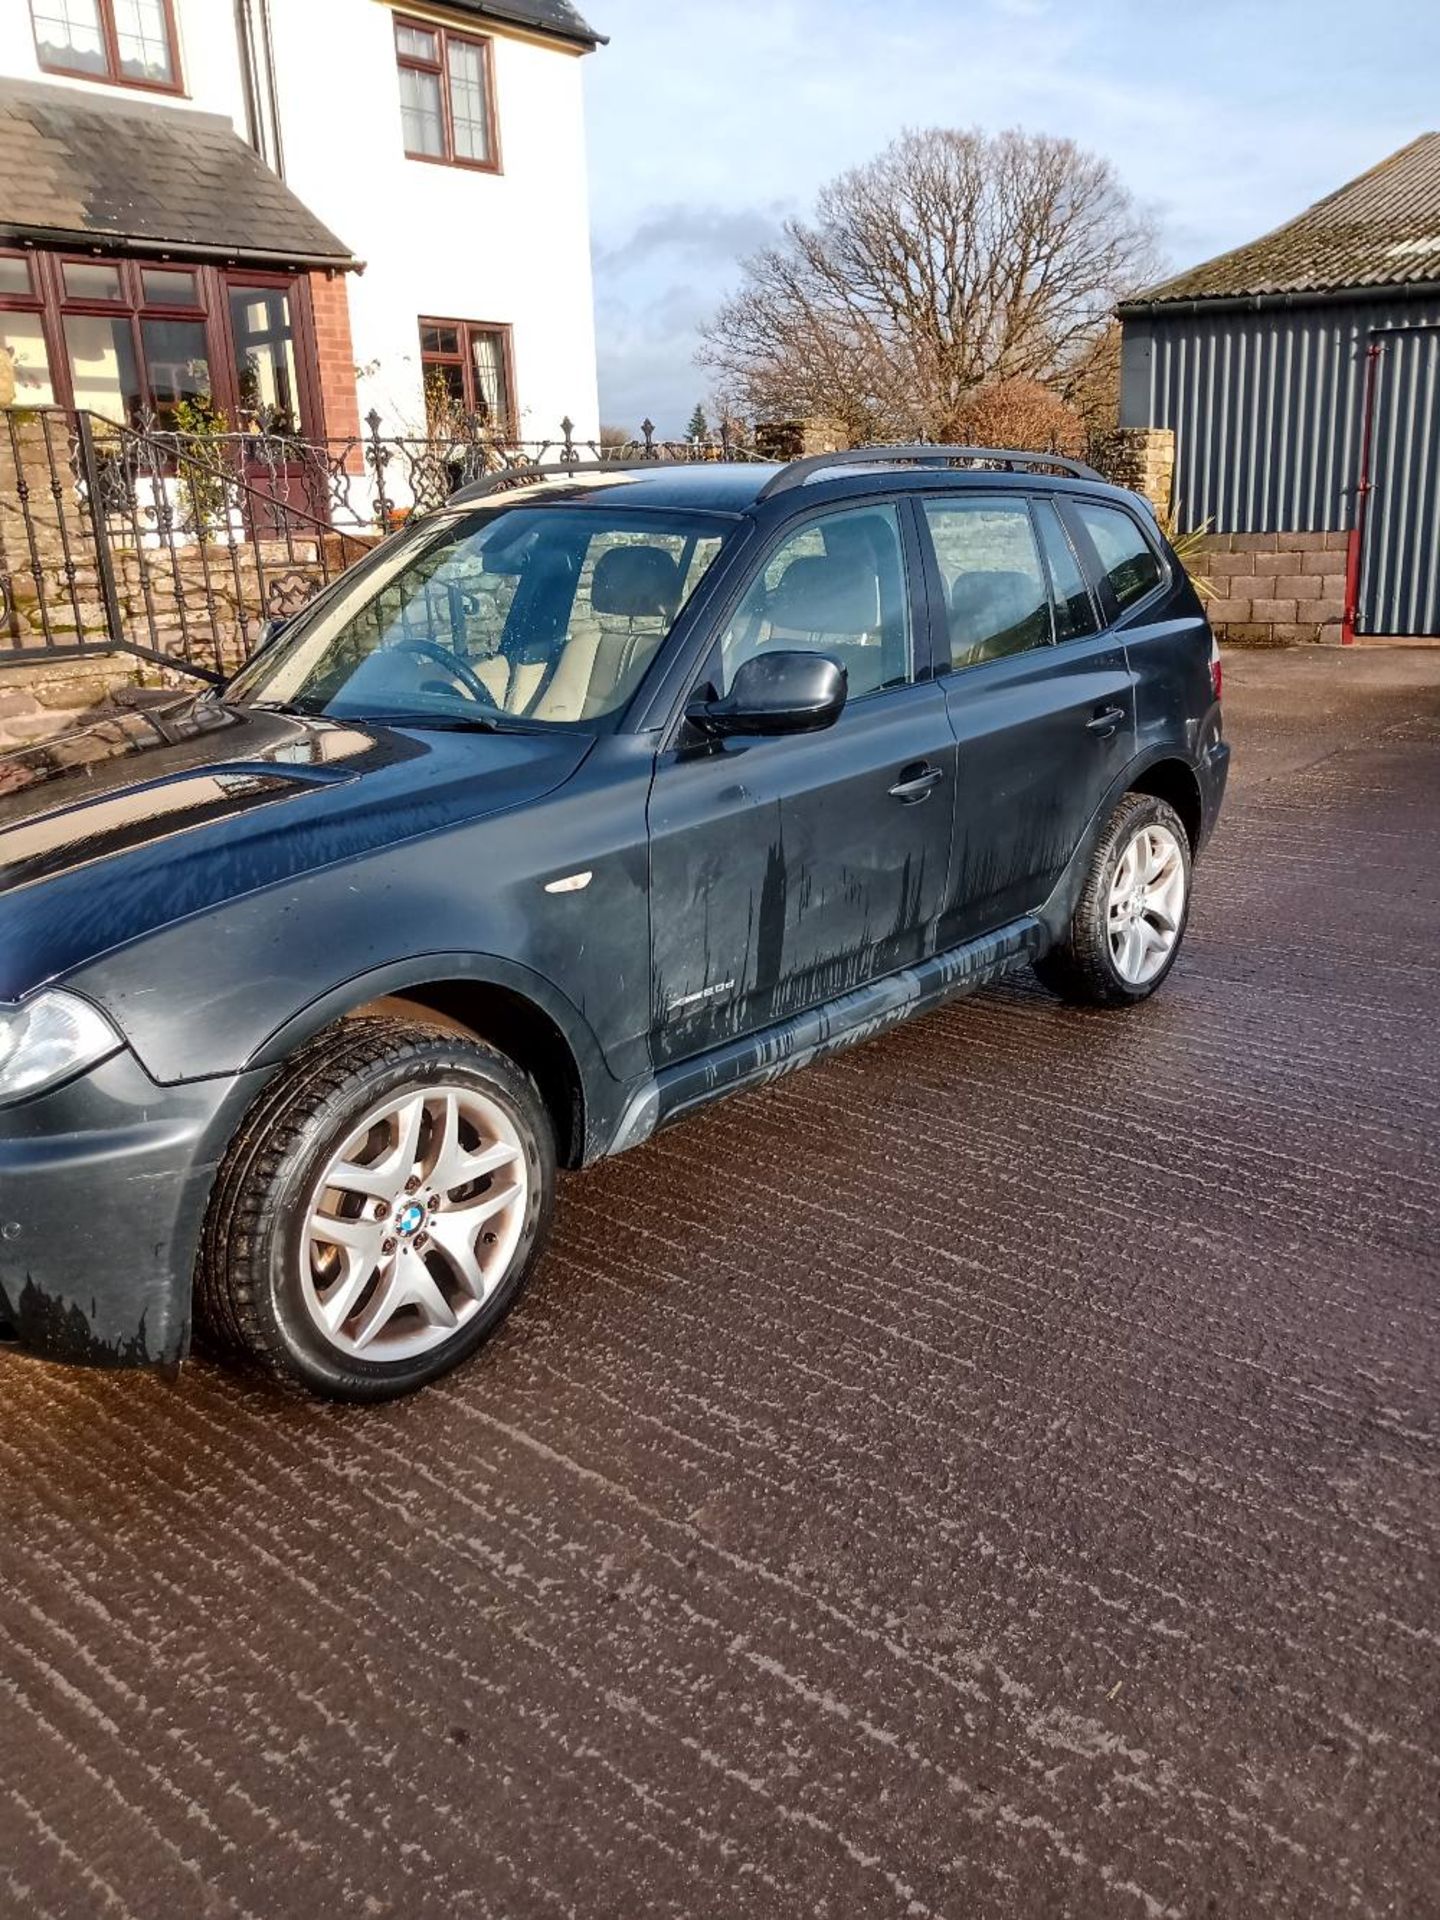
(1277, 589)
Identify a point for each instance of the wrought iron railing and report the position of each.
(181, 547)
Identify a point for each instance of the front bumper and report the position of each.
(103, 1187)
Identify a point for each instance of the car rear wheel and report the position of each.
(1130, 919)
(379, 1210)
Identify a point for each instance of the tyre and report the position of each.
(1130, 918)
(379, 1210)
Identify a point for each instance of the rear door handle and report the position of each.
(1105, 720)
(916, 786)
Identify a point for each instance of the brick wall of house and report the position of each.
(330, 306)
(1276, 589)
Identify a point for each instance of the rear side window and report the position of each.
(1074, 609)
(995, 591)
(1128, 560)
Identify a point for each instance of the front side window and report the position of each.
(130, 42)
(466, 367)
(532, 615)
(836, 586)
(446, 105)
(1126, 557)
(996, 594)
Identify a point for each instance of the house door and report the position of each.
(276, 391)
(1399, 585)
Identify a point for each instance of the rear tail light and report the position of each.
(1217, 672)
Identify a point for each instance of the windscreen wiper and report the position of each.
(438, 722)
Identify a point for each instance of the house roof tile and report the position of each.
(555, 17)
(1380, 230)
(89, 169)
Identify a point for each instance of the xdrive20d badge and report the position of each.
(580, 803)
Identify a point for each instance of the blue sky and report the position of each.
(712, 120)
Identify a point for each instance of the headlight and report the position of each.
(48, 1038)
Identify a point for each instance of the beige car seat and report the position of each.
(634, 593)
(831, 603)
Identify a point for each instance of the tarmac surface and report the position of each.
(992, 1473)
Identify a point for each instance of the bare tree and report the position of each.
(954, 260)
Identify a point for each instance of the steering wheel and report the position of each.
(459, 670)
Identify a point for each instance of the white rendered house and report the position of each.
(312, 207)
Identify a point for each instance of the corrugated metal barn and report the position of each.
(1301, 377)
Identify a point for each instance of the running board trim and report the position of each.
(761, 1057)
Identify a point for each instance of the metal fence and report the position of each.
(181, 548)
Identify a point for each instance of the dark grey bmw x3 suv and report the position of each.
(579, 803)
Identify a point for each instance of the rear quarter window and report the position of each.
(1127, 559)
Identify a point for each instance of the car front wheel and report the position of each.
(379, 1210)
(1130, 919)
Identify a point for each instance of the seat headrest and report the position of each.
(826, 593)
(635, 581)
(994, 595)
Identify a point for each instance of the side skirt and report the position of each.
(859, 1015)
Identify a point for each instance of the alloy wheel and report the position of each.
(1147, 904)
(413, 1223)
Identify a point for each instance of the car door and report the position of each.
(1039, 695)
(788, 869)
(1166, 639)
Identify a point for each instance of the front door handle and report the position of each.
(1105, 720)
(916, 784)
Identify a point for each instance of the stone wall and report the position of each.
(1276, 589)
(797, 439)
(1143, 459)
(40, 700)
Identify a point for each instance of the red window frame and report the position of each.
(213, 286)
(132, 307)
(33, 303)
(440, 70)
(465, 360)
(23, 302)
(112, 76)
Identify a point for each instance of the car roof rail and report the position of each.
(554, 469)
(797, 472)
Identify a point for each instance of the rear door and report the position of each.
(787, 870)
(1038, 693)
(1157, 616)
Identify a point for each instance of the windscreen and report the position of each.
(534, 615)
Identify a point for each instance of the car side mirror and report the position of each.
(780, 691)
